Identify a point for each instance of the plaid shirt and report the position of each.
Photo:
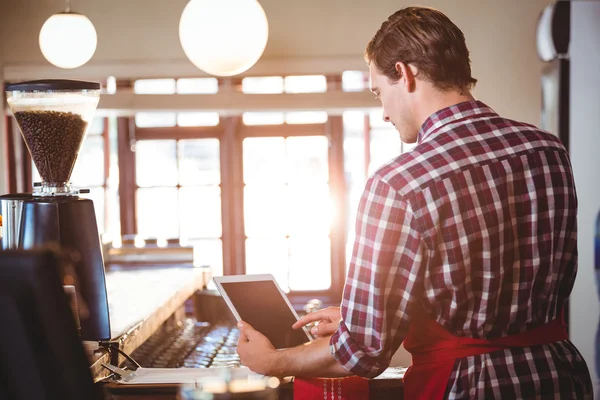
(478, 225)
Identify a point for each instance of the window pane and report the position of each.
(264, 160)
(156, 163)
(354, 124)
(113, 216)
(265, 211)
(199, 162)
(89, 167)
(306, 84)
(306, 117)
(354, 147)
(264, 84)
(354, 160)
(353, 81)
(263, 118)
(97, 196)
(198, 119)
(155, 119)
(310, 264)
(154, 86)
(200, 215)
(111, 85)
(354, 194)
(268, 257)
(209, 252)
(96, 127)
(197, 85)
(307, 159)
(157, 213)
(310, 210)
(385, 145)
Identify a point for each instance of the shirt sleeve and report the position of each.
(384, 277)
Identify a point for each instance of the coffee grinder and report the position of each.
(53, 117)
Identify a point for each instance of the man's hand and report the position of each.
(329, 320)
(255, 350)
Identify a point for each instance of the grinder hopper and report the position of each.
(53, 116)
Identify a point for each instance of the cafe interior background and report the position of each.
(261, 171)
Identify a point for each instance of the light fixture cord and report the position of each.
(68, 6)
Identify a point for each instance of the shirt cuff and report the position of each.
(354, 357)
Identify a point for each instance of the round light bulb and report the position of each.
(68, 40)
(223, 37)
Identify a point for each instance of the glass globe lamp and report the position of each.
(68, 40)
(223, 37)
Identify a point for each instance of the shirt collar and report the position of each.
(450, 114)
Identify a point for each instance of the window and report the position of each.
(305, 84)
(111, 85)
(278, 118)
(354, 169)
(354, 81)
(156, 163)
(179, 195)
(306, 117)
(154, 86)
(197, 119)
(276, 189)
(288, 210)
(155, 119)
(288, 84)
(263, 118)
(158, 119)
(263, 85)
(197, 86)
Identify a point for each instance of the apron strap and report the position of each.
(434, 351)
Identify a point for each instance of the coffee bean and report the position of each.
(53, 139)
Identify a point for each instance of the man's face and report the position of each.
(395, 101)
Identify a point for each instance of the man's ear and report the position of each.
(407, 74)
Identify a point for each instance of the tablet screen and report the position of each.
(260, 303)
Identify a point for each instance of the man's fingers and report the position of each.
(246, 330)
(310, 317)
(242, 340)
(324, 329)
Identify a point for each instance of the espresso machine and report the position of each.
(53, 117)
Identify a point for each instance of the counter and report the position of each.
(143, 300)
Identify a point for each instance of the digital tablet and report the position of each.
(259, 301)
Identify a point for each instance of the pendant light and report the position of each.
(223, 37)
(68, 39)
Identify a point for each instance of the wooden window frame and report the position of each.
(231, 132)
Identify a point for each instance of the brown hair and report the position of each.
(427, 39)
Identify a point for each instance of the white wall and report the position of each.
(585, 149)
(309, 36)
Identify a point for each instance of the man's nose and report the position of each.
(386, 118)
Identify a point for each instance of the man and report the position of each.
(471, 235)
